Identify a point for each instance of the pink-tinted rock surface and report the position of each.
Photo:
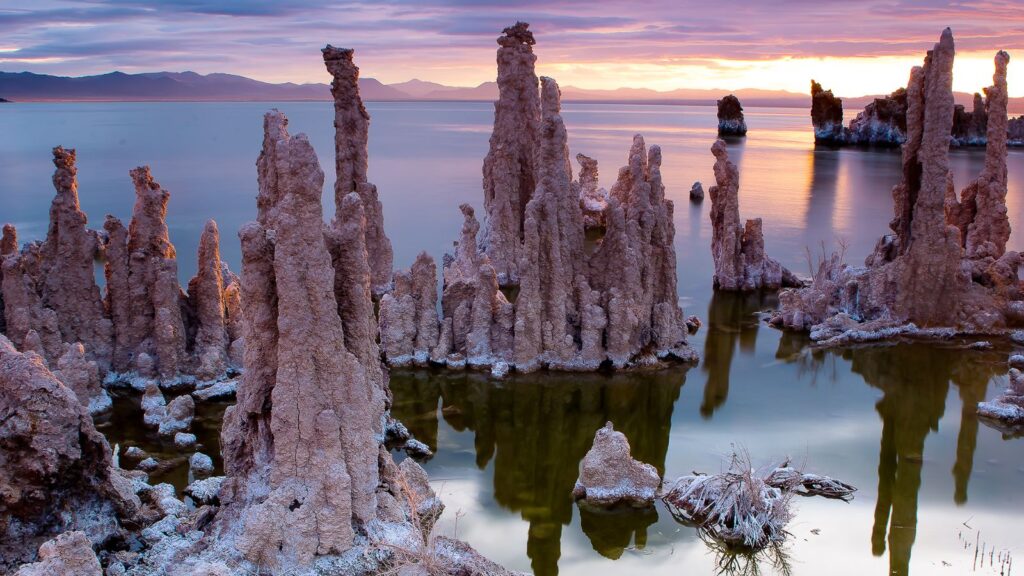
(83, 377)
(558, 299)
(740, 260)
(67, 279)
(945, 266)
(351, 134)
(206, 297)
(69, 554)
(593, 200)
(609, 475)
(302, 447)
(52, 460)
(509, 168)
(50, 293)
(8, 246)
(409, 327)
(299, 446)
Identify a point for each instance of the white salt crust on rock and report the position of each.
(610, 476)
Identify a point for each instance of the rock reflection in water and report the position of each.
(536, 430)
(732, 323)
(914, 380)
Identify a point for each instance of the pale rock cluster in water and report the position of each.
(730, 117)
(740, 260)
(610, 476)
(144, 325)
(535, 290)
(945, 267)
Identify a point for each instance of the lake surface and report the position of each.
(897, 421)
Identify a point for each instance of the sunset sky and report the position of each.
(854, 48)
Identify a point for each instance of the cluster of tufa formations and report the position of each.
(144, 327)
(883, 122)
(533, 290)
(944, 269)
(740, 260)
(308, 485)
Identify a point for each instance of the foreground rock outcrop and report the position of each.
(945, 268)
(536, 291)
(56, 472)
(740, 260)
(351, 134)
(309, 487)
(610, 476)
(730, 117)
(69, 554)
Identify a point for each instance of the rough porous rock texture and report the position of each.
(509, 169)
(66, 275)
(82, 376)
(589, 287)
(206, 297)
(299, 446)
(593, 199)
(351, 134)
(50, 292)
(308, 483)
(945, 266)
(55, 468)
(740, 260)
(409, 327)
(8, 246)
(730, 117)
(609, 475)
(69, 554)
(883, 122)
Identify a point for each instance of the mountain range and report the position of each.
(190, 86)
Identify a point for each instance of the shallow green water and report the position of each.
(897, 421)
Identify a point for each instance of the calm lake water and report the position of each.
(897, 421)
